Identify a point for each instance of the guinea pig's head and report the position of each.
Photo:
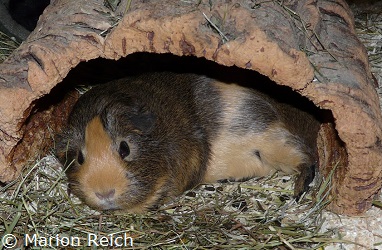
(113, 162)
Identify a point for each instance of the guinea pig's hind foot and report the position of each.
(303, 180)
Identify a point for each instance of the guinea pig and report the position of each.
(133, 143)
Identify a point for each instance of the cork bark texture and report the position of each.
(308, 45)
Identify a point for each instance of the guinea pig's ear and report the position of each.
(143, 121)
(128, 114)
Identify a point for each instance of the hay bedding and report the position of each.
(257, 214)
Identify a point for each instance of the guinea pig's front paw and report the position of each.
(304, 179)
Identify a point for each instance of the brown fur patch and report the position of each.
(103, 169)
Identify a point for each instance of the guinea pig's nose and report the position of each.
(106, 195)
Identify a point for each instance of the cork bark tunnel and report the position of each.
(307, 45)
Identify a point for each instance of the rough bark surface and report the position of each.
(308, 45)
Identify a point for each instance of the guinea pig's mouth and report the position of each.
(97, 200)
(112, 205)
(102, 204)
(107, 205)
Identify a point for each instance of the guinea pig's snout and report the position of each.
(106, 199)
(106, 195)
(103, 190)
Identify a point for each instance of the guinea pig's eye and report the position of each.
(80, 157)
(124, 149)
